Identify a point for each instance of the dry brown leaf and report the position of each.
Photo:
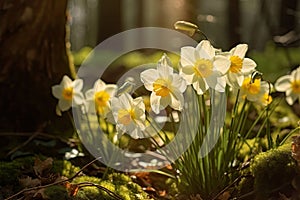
(71, 188)
(41, 193)
(224, 196)
(162, 193)
(36, 194)
(40, 166)
(29, 182)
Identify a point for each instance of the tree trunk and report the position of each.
(33, 58)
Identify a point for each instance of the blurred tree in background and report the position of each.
(33, 57)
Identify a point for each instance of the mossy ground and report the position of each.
(270, 175)
(120, 184)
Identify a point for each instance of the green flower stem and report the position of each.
(268, 129)
(75, 134)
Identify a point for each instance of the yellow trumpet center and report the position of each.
(296, 86)
(236, 64)
(251, 87)
(203, 68)
(267, 99)
(68, 93)
(160, 87)
(101, 98)
(126, 116)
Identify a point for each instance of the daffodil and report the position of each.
(129, 115)
(68, 91)
(166, 86)
(290, 84)
(254, 89)
(202, 68)
(99, 97)
(266, 99)
(239, 65)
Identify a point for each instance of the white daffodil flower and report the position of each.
(68, 91)
(239, 65)
(166, 87)
(290, 84)
(99, 97)
(129, 115)
(202, 68)
(254, 89)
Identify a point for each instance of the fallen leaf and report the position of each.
(224, 196)
(162, 193)
(49, 178)
(41, 193)
(35, 194)
(40, 166)
(29, 182)
(71, 188)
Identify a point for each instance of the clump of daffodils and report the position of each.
(203, 67)
(205, 71)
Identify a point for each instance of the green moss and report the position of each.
(64, 168)
(117, 183)
(273, 169)
(57, 192)
(11, 171)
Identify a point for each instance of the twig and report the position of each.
(228, 186)
(32, 136)
(23, 144)
(110, 193)
(54, 183)
(40, 134)
(35, 134)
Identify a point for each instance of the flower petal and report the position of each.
(165, 101)
(64, 105)
(240, 50)
(221, 63)
(296, 74)
(99, 85)
(78, 98)
(178, 83)
(77, 85)
(90, 94)
(66, 81)
(216, 82)
(164, 70)
(125, 100)
(188, 69)
(204, 50)
(177, 100)
(57, 91)
(155, 102)
(200, 86)
(148, 77)
(283, 83)
(187, 56)
(290, 99)
(248, 65)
